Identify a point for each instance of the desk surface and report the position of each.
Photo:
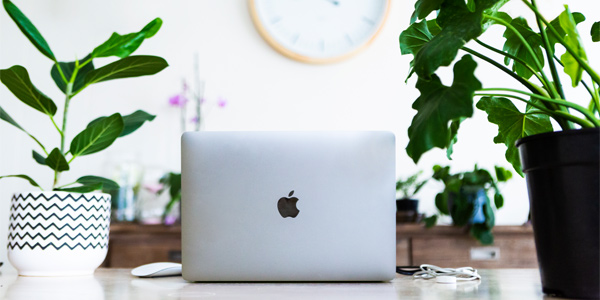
(119, 284)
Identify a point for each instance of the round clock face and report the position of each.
(318, 31)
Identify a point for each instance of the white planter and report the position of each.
(58, 233)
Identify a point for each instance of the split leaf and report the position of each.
(438, 105)
(513, 125)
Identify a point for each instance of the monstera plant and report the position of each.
(562, 158)
(529, 57)
(72, 78)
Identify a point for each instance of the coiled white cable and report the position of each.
(461, 274)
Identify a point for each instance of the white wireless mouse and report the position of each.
(158, 269)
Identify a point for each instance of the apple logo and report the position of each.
(287, 206)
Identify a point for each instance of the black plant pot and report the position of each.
(562, 171)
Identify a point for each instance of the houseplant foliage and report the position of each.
(72, 78)
(531, 57)
(562, 167)
(410, 186)
(465, 199)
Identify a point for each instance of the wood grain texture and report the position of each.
(448, 246)
(132, 245)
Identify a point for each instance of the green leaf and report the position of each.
(514, 46)
(471, 5)
(414, 37)
(459, 25)
(56, 161)
(423, 8)
(38, 158)
(124, 45)
(88, 188)
(462, 209)
(438, 105)
(430, 221)
(131, 122)
(4, 116)
(68, 68)
(513, 125)
(441, 202)
(98, 136)
(28, 29)
(571, 66)
(31, 181)
(502, 174)
(433, 27)
(498, 200)
(482, 234)
(595, 32)
(16, 79)
(454, 126)
(488, 212)
(107, 184)
(132, 66)
(552, 39)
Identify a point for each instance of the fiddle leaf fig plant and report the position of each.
(72, 78)
(529, 55)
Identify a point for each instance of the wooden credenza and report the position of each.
(448, 246)
(132, 245)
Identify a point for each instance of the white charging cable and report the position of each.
(459, 274)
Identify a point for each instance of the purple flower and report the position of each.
(178, 100)
(195, 120)
(222, 102)
(170, 220)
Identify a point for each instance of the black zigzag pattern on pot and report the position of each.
(68, 196)
(23, 207)
(19, 226)
(66, 235)
(12, 246)
(13, 217)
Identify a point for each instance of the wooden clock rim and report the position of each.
(307, 59)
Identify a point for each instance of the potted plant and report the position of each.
(63, 229)
(562, 170)
(465, 199)
(406, 206)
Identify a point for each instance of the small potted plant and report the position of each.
(63, 230)
(465, 199)
(562, 166)
(406, 205)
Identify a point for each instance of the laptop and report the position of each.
(288, 206)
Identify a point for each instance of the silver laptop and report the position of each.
(288, 206)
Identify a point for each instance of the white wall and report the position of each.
(265, 90)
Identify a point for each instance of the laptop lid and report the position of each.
(288, 206)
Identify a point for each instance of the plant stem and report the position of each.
(552, 90)
(575, 106)
(60, 71)
(522, 62)
(38, 142)
(549, 55)
(65, 185)
(582, 62)
(523, 81)
(553, 114)
(68, 96)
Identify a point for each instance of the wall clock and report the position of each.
(319, 31)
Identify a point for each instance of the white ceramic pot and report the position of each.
(58, 233)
